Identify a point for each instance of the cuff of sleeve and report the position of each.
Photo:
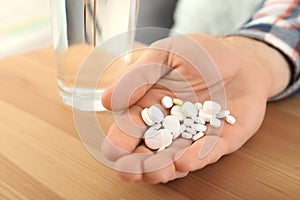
(288, 52)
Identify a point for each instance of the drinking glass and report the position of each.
(87, 36)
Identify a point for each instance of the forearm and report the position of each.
(277, 24)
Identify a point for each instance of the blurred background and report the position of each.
(24, 26)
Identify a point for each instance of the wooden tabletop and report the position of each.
(43, 158)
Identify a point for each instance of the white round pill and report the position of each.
(197, 120)
(199, 127)
(188, 122)
(171, 123)
(176, 111)
(214, 122)
(155, 114)
(167, 102)
(198, 136)
(146, 118)
(150, 132)
(186, 135)
(205, 116)
(211, 107)
(189, 109)
(222, 114)
(230, 119)
(162, 137)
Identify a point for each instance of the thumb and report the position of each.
(137, 80)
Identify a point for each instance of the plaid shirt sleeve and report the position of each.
(277, 22)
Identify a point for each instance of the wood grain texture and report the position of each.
(42, 156)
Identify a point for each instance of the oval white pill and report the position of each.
(176, 111)
(211, 107)
(189, 109)
(191, 131)
(230, 119)
(222, 114)
(155, 114)
(186, 135)
(188, 122)
(167, 102)
(178, 102)
(197, 120)
(198, 136)
(214, 122)
(199, 127)
(146, 118)
(171, 123)
(205, 116)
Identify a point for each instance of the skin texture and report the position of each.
(250, 71)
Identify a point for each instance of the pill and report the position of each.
(167, 102)
(182, 128)
(176, 111)
(177, 102)
(188, 122)
(214, 122)
(205, 116)
(163, 137)
(189, 109)
(198, 136)
(157, 126)
(230, 119)
(171, 123)
(146, 118)
(155, 114)
(191, 131)
(186, 135)
(150, 132)
(222, 114)
(211, 107)
(199, 127)
(197, 120)
(198, 106)
(176, 135)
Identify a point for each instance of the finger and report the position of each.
(125, 133)
(129, 168)
(160, 167)
(205, 151)
(137, 80)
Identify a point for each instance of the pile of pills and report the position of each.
(186, 119)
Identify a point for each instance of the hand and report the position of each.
(244, 71)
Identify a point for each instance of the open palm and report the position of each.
(192, 68)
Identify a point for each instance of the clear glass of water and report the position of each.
(88, 35)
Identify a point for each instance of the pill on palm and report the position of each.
(162, 137)
(150, 132)
(167, 102)
(155, 114)
(146, 118)
(205, 116)
(198, 106)
(211, 107)
(198, 136)
(189, 109)
(230, 119)
(178, 102)
(198, 120)
(199, 127)
(188, 122)
(171, 123)
(222, 114)
(176, 111)
(214, 122)
(186, 135)
(191, 131)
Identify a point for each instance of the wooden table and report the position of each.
(42, 157)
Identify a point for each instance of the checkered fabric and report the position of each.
(277, 22)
